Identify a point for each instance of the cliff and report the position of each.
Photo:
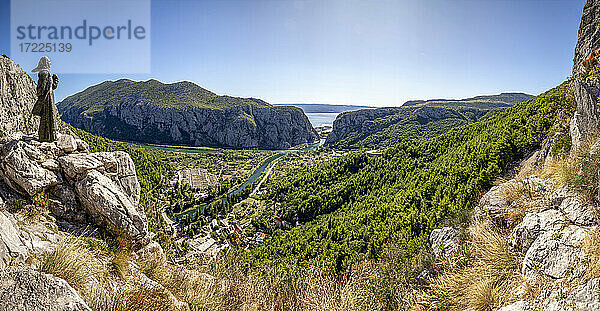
(17, 96)
(382, 127)
(184, 114)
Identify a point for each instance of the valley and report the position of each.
(150, 195)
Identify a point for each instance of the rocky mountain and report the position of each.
(375, 128)
(183, 113)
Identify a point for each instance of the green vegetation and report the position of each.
(152, 92)
(407, 125)
(353, 207)
(387, 127)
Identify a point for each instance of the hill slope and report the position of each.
(374, 128)
(183, 113)
(354, 206)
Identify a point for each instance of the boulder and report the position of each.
(152, 252)
(67, 143)
(117, 165)
(21, 168)
(574, 208)
(445, 242)
(585, 297)
(555, 253)
(532, 226)
(104, 200)
(27, 289)
(493, 205)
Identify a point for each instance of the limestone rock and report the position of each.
(17, 96)
(21, 169)
(588, 36)
(118, 165)
(67, 143)
(533, 225)
(587, 296)
(586, 119)
(152, 252)
(517, 306)
(27, 289)
(11, 246)
(445, 242)
(555, 253)
(104, 200)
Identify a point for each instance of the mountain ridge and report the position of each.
(183, 113)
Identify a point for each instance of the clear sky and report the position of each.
(378, 53)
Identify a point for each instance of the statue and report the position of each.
(45, 107)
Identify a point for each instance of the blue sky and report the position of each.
(378, 53)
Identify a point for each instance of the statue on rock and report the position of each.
(45, 107)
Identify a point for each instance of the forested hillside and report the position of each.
(354, 206)
(385, 127)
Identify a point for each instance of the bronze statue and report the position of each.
(45, 107)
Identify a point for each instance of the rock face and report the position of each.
(26, 289)
(17, 96)
(588, 36)
(103, 184)
(11, 246)
(554, 253)
(586, 119)
(201, 118)
(376, 128)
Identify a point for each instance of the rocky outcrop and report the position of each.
(103, 184)
(17, 96)
(25, 289)
(218, 121)
(554, 254)
(445, 242)
(11, 245)
(589, 35)
(352, 121)
(586, 120)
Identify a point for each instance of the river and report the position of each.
(255, 175)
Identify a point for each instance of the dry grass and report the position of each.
(562, 171)
(225, 283)
(73, 262)
(486, 283)
(591, 247)
(138, 298)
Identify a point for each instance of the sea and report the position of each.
(321, 118)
